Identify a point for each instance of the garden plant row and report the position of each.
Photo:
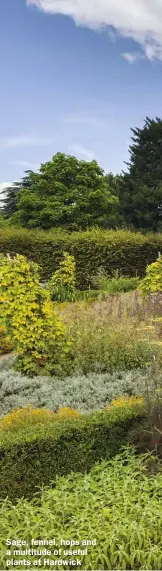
(33, 455)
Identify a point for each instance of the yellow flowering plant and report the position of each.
(129, 401)
(20, 417)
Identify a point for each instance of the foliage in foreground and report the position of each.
(84, 393)
(34, 454)
(118, 503)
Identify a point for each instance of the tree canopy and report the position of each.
(75, 194)
(66, 193)
(140, 192)
(11, 194)
(145, 165)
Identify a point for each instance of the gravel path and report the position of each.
(6, 355)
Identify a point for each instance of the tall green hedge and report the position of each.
(127, 251)
(35, 455)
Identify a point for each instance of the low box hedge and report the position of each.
(35, 455)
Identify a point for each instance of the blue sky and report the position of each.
(75, 76)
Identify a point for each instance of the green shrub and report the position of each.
(90, 294)
(116, 504)
(62, 283)
(82, 295)
(152, 283)
(84, 393)
(117, 284)
(78, 295)
(37, 334)
(127, 251)
(34, 455)
(4, 222)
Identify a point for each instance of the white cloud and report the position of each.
(140, 20)
(23, 141)
(3, 186)
(81, 152)
(131, 57)
(26, 164)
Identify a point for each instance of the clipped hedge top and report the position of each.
(63, 427)
(95, 234)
